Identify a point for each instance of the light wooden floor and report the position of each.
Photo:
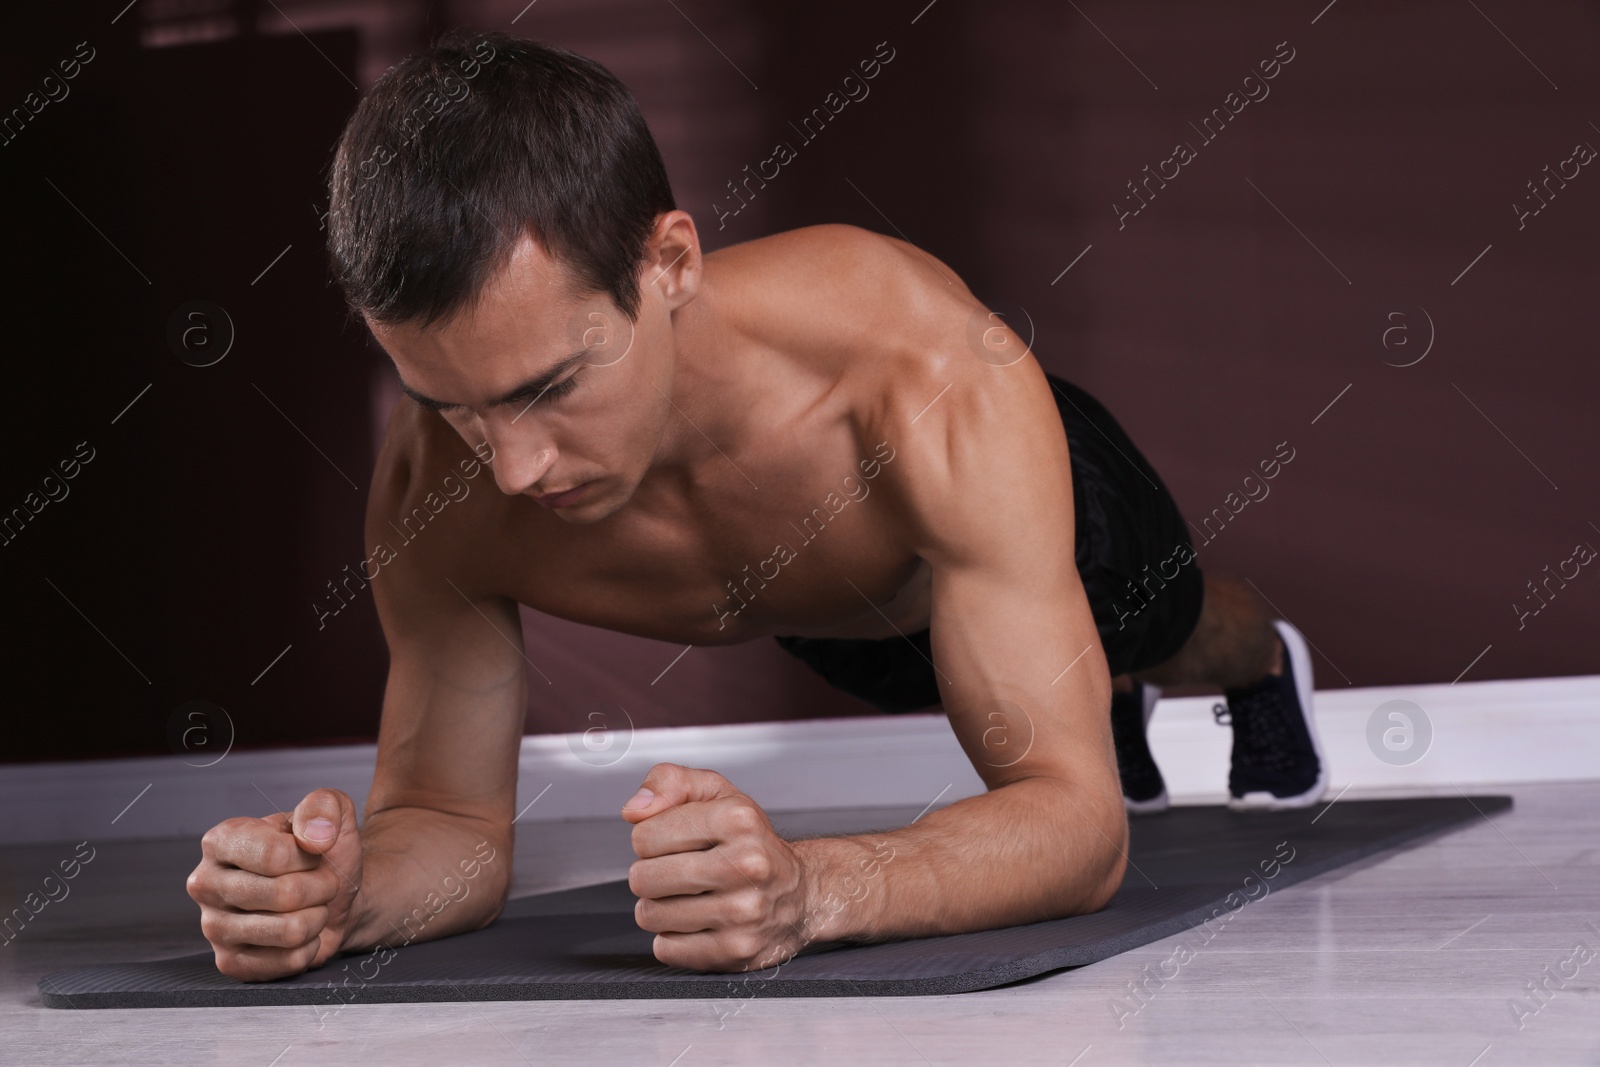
(1408, 958)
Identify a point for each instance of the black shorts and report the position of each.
(1133, 554)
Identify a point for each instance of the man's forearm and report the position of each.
(426, 874)
(1034, 849)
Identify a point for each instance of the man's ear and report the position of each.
(674, 265)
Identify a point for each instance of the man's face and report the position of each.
(565, 389)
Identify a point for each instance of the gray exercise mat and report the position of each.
(1187, 866)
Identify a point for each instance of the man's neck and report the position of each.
(706, 422)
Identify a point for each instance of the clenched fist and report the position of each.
(276, 894)
(716, 884)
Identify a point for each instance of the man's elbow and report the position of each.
(1108, 854)
(1101, 893)
(497, 886)
(493, 912)
(1094, 818)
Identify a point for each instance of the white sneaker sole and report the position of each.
(1294, 646)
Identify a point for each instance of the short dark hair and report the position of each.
(458, 150)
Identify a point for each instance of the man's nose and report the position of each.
(519, 460)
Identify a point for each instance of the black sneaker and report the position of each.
(1143, 791)
(1277, 762)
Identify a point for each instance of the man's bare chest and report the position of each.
(813, 551)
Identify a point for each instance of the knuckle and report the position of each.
(229, 964)
(299, 959)
(748, 908)
(218, 835)
(743, 818)
(297, 930)
(279, 853)
(743, 946)
(754, 864)
(213, 926)
(230, 828)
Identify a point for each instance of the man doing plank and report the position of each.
(796, 437)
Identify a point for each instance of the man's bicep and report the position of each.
(1022, 676)
(1020, 666)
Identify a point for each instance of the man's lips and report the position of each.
(561, 499)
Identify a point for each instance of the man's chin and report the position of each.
(591, 508)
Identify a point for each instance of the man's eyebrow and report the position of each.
(532, 387)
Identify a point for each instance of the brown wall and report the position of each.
(1221, 320)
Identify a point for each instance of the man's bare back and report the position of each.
(793, 353)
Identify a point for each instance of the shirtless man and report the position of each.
(819, 436)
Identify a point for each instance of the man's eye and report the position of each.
(556, 392)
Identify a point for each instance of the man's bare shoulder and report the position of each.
(875, 313)
(844, 278)
(427, 486)
(932, 374)
(418, 448)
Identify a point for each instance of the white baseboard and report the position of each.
(1485, 734)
